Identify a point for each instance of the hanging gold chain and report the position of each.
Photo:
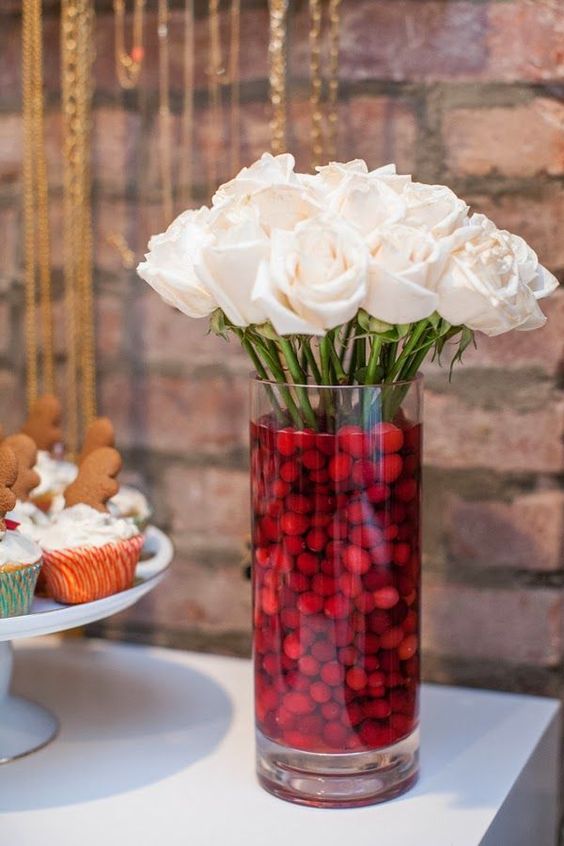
(234, 51)
(333, 83)
(164, 113)
(215, 73)
(316, 83)
(277, 74)
(77, 25)
(36, 204)
(187, 122)
(128, 65)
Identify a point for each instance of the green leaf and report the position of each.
(466, 338)
(219, 324)
(266, 330)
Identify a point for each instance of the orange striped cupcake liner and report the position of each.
(87, 573)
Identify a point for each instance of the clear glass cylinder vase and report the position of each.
(335, 482)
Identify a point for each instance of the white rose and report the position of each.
(169, 266)
(489, 281)
(367, 203)
(228, 267)
(330, 178)
(267, 171)
(433, 208)
(316, 277)
(404, 268)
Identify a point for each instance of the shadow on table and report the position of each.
(125, 723)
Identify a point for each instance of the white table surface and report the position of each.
(156, 749)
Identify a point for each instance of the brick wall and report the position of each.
(467, 92)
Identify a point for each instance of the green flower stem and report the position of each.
(373, 360)
(279, 375)
(345, 340)
(340, 374)
(352, 363)
(310, 357)
(325, 357)
(408, 349)
(300, 380)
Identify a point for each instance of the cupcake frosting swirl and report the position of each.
(82, 525)
(16, 548)
(55, 475)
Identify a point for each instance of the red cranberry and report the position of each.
(388, 437)
(363, 473)
(289, 471)
(337, 607)
(292, 647)
(406, 490)
(350, 584)
(316, 539)
(308, 665)
(386, 597)
(320, 692)
(307, 563)
(356, 559)
(293, 544)
(294, 524)
(323, 585)
(378, 492)
(331, 673)
(280, 488)
(382, 554)
(313, 459)
(392, 638)
(407, 648)
(334, 734)
(286, 442)
(351, 439)
(298, 703)
(340, 467)
(299, 503)
(319, 476)
(330, 710)
(310, 603)
(389, 468)
(356, 678)
(305, 439)
(323, 650)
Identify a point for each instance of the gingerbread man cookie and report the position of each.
(26, 453)
(8, 475)
(43, 422)
(96, 481)
(100, 433)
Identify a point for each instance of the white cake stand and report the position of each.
(26, 726)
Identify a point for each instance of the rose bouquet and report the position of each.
(347, 277)
(338, 285)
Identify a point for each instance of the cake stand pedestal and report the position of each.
(26, 726)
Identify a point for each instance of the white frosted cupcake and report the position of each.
(88, 552)
(130, 502)
(55, 476)
(20, 563)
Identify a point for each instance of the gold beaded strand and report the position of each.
(77, 30)
(187, 121)
(165, 157)
(234, 53)
(36, 205)
(316, 83)
(277, 74)
(334, 14)
(128, 65)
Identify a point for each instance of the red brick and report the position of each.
(195, 596)
(12, 401)
(208, 505)
(536, 218)
(11, 140)
(9, 244)
(379, 130)
(171, 337)
(115, 148)
(526, 534)
(110, 325)
(543, 348)
(177, 414)
(458, 435)
(404, 40)
(521, 141)
(525, 40)
(518, 626)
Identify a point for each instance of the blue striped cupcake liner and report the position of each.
(17, 584)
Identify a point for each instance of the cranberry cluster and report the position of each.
(336, 584)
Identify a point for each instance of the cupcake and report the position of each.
(131, 503)
(20, 557)
(128, 502)
(89, 553)
(43, 426)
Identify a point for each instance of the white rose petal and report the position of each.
(433, 208)
(169, 266)
(487, 281)
(318, 271)
(269, 170)
(229, 268)
(404, 268)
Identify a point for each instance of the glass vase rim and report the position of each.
(418, 379)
